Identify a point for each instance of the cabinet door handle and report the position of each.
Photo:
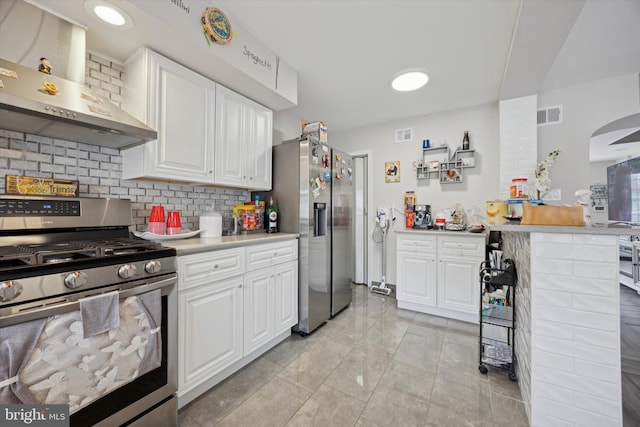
(239, 286)
(215, 267)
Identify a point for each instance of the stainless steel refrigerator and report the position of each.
(313, 188)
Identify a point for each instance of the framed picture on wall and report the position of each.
(392, 171)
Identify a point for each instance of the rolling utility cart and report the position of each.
(496, 344)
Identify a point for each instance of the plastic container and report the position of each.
(518, 189)
(409, 201)
(409, 219)
(211, 224)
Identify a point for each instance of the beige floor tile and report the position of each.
(391, 407)
(328, 407)
(314, 366)
(508, 412)
(468, 402)
(272, 405)
(222, 399)
(421, 351)
(439, 416)
(408, 379)
(359, 372)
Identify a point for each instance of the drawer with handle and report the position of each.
(416, 243)
(471, 246)
(266, 255)
(196, 269)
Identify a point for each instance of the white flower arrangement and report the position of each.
(543, 182)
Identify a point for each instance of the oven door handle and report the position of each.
(72, 302)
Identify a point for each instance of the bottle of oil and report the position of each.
(272, 217)
(465, 140)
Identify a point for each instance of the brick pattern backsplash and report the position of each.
(105, 77)
(98, 169)
(516, 246)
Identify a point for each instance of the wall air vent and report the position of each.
(550, 116)
(404, 135)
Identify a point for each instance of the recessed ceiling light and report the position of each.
(409, 81)
(109, 13)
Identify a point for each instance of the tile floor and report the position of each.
(372, 365)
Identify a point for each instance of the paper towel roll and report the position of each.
(211, 224)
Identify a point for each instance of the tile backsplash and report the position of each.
(99, 169)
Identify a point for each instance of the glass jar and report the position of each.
(518, 188)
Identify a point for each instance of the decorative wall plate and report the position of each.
(216, 25)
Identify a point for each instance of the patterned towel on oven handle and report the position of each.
(59, 366)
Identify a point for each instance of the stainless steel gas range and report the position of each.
(88, 310)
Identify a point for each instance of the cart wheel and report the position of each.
(513, 376)
(483, 369)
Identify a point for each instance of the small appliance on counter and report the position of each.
(422, 217)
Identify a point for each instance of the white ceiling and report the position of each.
(347, 51)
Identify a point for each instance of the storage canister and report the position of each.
(211, 224)
(517, 189)
(409, 201)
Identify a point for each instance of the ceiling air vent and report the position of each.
(404, 135)
(550, 116)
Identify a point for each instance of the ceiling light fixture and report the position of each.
(109, 13)
(408, 81)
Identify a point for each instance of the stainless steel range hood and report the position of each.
(75, 113)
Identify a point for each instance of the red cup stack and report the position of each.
(156, 220)
(174, 226)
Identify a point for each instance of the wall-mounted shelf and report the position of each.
(448, 169)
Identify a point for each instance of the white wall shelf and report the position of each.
(448, 169)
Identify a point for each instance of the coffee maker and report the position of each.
(422, 217)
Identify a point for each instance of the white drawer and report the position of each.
(266, 255)
(411, 243)
(471, 246)
(196, 269)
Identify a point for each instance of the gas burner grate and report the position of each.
(49, 253)
(123, 246)
(12, 255)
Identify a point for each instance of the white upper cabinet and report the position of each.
(180, 105)
(243, 142)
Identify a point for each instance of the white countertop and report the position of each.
(196, 245)
(566, 229)
(440, 232)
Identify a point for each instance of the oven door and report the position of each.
(120, 395)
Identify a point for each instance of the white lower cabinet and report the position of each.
(417, 275)
(270, 303)
(232, 308)
(258, 304)
(210, 329)
(458, 287)
(438, 273)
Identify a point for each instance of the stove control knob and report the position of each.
(126, 271)
(9, 290)
(153, 266)
(75, 280)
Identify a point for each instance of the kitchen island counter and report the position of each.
(567, 229)
(197, 245)
(568, 322)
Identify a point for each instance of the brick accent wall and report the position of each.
(517, 247)
(99, 169)
(575, 330)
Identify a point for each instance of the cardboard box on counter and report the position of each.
(315, 129)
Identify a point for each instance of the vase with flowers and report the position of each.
(543, 181)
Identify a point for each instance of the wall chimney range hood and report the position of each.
(74, 113)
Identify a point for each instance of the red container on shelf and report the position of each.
(409, 219)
